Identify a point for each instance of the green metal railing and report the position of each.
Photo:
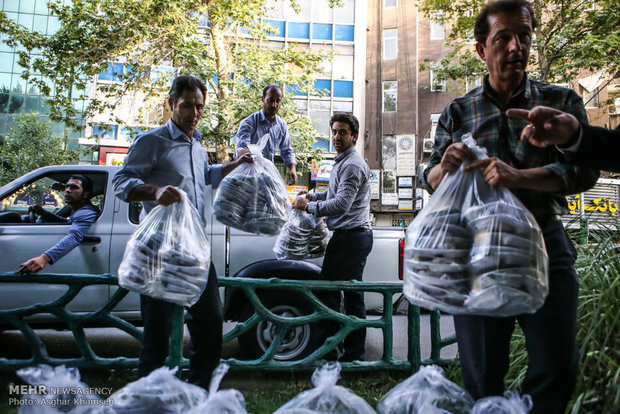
(103, 316)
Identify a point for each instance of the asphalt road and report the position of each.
(110, 342)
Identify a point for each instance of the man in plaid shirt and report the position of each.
(503, 33)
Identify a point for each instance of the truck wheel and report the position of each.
(297, 343)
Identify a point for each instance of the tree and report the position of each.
(217, 40)
(30, 145)
(572, 36)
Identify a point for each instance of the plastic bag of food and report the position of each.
(168, 256)
(159, 392)
(475, 249)
(510, 403)
(253, 197)
(61, 391)
(326, 397)
(426, 392)
(220, 401)
(304, 236)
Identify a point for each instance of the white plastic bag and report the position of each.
(253, 197)
(426, 392)
(304, 236)
(510, 403)
(159, 392)
(326, 397)
(168, 256)
(220, 401)
(63, 391)
(475, 249)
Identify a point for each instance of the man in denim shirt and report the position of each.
(158, 164)
(266, 123)
(83, 214)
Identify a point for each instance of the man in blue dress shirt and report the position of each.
(78, 191)
(267, 124)
(161, 162)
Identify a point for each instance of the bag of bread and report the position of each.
(475, 249)
(253, 197)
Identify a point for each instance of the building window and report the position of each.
(390, 44)
(324, 86)
(434, 122)
(113, 73)
(277, 28)
(473, 82)
(343, 89)
(103, 131)
(437, 29)
(345, 33)
(299, 30)
(390, 3)
(436, 84)
(590, 99)
(322, 31)
(389, 96)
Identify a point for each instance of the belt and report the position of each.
(353, 230)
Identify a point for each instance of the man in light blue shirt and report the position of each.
(78, 191)
(161, 162)
(268, 125)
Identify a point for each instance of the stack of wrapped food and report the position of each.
(168, 257)
(437, 253)
(304, 236)
(507, 259)
(256, 203)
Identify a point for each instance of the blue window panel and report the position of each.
(129, 133)
(294, 89)
(345, 33)
(278, 24)
(113, 72)
(322, 144)
(105, 131)
(343, 89)
(299, 30)
(159, 71)
(323, 85)
(322, 31)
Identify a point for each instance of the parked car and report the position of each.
(234, 252)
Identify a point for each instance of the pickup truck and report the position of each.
(234, 252)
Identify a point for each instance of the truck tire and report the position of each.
(298, 342)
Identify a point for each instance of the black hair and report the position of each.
(354, 124)
(481, 26)
(182, 83)
(266, 89)
(87, 183)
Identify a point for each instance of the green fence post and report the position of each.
(176, 339)
(413, 337)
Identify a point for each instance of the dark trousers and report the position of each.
(549, 336)
(204, 322)
(345, 258)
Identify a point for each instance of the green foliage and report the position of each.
(572, 36)
(598, 333)
(30, 145)
(204, 38)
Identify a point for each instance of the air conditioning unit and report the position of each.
(427, 144)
